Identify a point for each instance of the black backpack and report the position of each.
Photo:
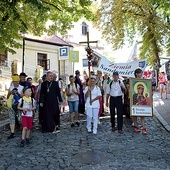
(119, 84)
(22, 102)
(69, 86)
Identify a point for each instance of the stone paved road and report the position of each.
(75, 149)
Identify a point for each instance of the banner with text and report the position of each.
(124, 69)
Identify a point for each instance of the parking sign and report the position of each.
(63, 53)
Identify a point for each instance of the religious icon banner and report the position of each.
(141, 103)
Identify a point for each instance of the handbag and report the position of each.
(9, 101)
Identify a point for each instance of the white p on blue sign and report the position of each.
(63, 53)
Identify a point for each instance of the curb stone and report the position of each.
(162, 121)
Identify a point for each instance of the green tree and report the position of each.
(123, 20)
(17, 16)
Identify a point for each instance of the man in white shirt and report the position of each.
(114, 91)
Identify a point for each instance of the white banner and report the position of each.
(141, 111)
(124, 69)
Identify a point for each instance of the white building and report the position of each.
(36, 54)
(79, 34)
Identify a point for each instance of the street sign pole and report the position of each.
(63, 55)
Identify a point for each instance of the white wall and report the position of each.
(75, 36)
(31, 50)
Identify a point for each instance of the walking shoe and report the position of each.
(22, 144)
(27, 141)
(77, 123)
(72, 125)
(89, 130)
(113, 129)
(136, 129)
(56, 130)
(12, 135)
(144, 131)
(120, 131)
(95, 132)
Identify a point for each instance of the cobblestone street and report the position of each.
(74, 148)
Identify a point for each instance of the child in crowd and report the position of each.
(63, 95)
(27, 106)
(15, 100)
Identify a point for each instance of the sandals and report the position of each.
(144, 132)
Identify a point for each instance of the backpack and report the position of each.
(15, 102)
(119, 84)
(22, 102)
(69, 86)
(9, 101)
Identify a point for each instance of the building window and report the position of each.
(3, 59)
(43, 61)
(84, 28)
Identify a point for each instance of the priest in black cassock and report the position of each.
(50, 99)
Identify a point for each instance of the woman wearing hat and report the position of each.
(12, 115)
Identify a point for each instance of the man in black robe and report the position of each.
(49, 100)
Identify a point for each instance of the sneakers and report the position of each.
(22, 144)
(57, 130)
(136, 129)
(27, 141)
(89, 130)
(94, 132)
(78, 124)
(144, 131)
(72, 125)
(11, 136)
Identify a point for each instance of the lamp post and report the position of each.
(23, 52)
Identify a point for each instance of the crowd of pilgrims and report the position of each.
(51, 96)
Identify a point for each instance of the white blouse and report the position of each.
(94, 93)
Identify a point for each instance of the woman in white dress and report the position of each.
(92, 104)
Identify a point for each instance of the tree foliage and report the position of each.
(20, 16)
(123, 20)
